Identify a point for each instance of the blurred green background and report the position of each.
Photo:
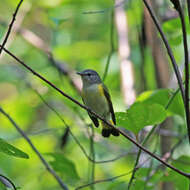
(79, 39)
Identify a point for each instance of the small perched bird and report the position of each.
(95, 96)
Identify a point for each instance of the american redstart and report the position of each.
(95, 96)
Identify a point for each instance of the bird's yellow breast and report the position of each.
(94, 98)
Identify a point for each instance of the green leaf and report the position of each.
(65, 166)
(140, 115)
(137, 115)
(162, 97)
(11, 150)
(177, 106)
(156, 114)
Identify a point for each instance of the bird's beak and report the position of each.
(80, 73)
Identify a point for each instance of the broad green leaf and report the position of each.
(11, 150)
(177, 106)
(156, 114)
(140, 115)
(162, 97)
(65, 166)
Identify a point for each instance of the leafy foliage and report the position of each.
(77, 34)
(140, 115)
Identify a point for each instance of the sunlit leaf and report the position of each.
(11, 150)
(156, 114)
(162, 97)
(140, 115)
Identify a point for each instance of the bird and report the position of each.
(96, 97)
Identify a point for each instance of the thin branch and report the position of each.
(62, 67)
(147, 138)
(102, 181)
(110, 179)
(10, 26)
(16, 27)
(52, 172)
(148, 174)
(169, 50)
(76, 140)
(96, 115)
(4, 180)
(167, 156)
(179, 9)
(111, 46)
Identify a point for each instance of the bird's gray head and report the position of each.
(89, 77)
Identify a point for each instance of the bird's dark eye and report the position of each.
(88, 74)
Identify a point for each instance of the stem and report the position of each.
(35, 150)
(10, 26)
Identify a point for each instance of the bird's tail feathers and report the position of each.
(107, 130)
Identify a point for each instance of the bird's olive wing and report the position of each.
(107, 95)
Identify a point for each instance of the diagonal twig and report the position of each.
(147, 138)
(177, 6)
(7, 182)
(112, 178)
(10, 26)
(168, 48)
(35, 150)
(123, 133)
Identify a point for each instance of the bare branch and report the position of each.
(10, 26)
(35, 150)
(147, 138)
(7, 182)
(76, 140)
(169, 50)
(179, 9)
(112, 178)
(62, 67)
